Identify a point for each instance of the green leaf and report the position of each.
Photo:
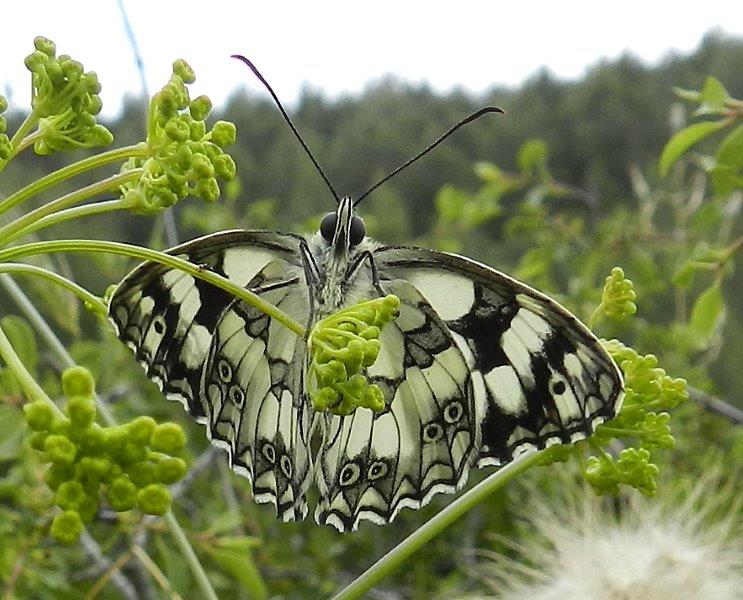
(713, 97)
(689, 95)
(14, 430)
(683, 140)
(726, 175)
(684, 275)
(239, 564)
(22, 339)
(725, 179)
(450, 203)
(707, 313)
(532, 157)
(239, 543)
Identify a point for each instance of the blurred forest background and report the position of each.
(557, 191)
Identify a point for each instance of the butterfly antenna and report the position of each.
(474, 116)
(262, 79)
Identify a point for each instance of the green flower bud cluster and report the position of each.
(129, 464)
(6, 150)
(632, 467)
(341, 346)
(649, 393)
(184, 158)
(618, 298)
(65, 99)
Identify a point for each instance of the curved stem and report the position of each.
(95, 303)
(88, 210)
(168, 260)
(400, 553)
(28, 383)
(87, 164)
(11, 231)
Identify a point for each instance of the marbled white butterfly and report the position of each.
(476, 370)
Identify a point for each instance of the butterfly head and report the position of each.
(342, 229)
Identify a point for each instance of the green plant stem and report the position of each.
(87, 210)
(400, 553)
(29, 140)
(11, 230)
(616, 432)
(193, 561)
(28, 383)
(94, 301)
(168, 260)
(87, 164)
(28, 124)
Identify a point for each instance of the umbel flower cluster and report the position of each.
(649, 393)
(66, 101)
(130, 464)
(341, 346)
(183, 157)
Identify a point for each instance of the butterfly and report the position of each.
(475, 371)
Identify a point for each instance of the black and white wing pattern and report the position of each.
(233, 368)
(477, 369)
(372, 465)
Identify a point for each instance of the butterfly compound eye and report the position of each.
(327, 226)
(358, 231)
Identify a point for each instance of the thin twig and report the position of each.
(113, 572)
(717, 406)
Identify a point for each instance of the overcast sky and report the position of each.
(338, 46)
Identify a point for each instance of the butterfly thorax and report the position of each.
(339, 284)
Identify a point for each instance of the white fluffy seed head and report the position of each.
(685, 547)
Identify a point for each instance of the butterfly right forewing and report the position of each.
(539, 376)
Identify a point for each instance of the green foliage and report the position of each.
(5, 147)
(726, 167)
(341, 346)
(183, 158)
(707, 314)
(128, 463)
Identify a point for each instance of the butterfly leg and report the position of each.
(262, 289)
(355, 267)
(311, 273)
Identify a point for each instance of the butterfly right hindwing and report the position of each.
(373, 465)
(253, 381)
(234, 368)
